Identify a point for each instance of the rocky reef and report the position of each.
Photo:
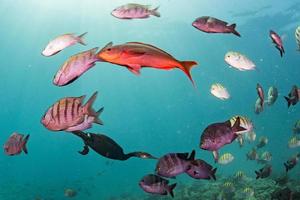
(232, 188)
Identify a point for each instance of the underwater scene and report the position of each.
(150, 100)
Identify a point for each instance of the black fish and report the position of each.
(293, 96)
(107, 147)
(264, 172)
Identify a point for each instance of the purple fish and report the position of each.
(202, 170)
(173, 164)
(215, 136)
(15, 144)
(277, 41)
(261, 95)
(264, 172)
(212, 25)
(156, 185)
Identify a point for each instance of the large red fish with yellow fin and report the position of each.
(135, 55)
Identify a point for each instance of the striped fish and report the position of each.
(173, 164)
(226, 159)
(15, 144)
(69, 112)
(297, 35)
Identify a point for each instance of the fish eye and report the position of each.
(109, 49)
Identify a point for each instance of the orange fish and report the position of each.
(135, 55)
(69, 113)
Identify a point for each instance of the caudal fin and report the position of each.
(171, 188)
(97, 116)
(286, 167)
(80, 39)
(155, 12)
(257, 174)
(187, 66)
(213, 174)
(233, 26)
(88, 106)
(288, 101)
(236, 126)
(25, 142)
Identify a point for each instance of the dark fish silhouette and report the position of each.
(276, 39)
(292, 162)
(264, 172)
(107, 147)
(293, 96)
(202, 170)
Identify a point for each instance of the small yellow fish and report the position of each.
(228, 186)
(248, 192)
(294, 142)
(226, 159)
(219, 91)
(251, 136)
(239, 175)
(297, 36)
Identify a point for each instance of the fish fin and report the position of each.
(236, 126)
(155, 12)
(288, 101)
(280, 50)
(25, 142)
(97, 119)
(135, 69)
(257, 174)
(187, 66)
(232, 27)
(213, 173)
(171, 188)
(85, 150)
(286, 167)
(216, 156)
(80, 39)
(88, 106)
(192, 156)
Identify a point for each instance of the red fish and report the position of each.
(135, 55)
(277, 41)
(15, 144)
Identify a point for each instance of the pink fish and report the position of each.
(213, 25)
(277, 41)
(75, 66)
(15, 144)
(134, 11)
(61, 42)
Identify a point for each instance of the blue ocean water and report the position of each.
(158, 111)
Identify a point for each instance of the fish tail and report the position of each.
(171, 188)
(80, 38)
(286, 167)
(88, 106)
(232, 27)
(288, 101)
(213, 173)
(155, 12)
(187, 66)
(236, 126)
(257, 174)
(25, 142)
(97, 116)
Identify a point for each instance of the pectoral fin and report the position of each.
(134, 68)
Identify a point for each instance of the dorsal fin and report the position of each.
(151, 46)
